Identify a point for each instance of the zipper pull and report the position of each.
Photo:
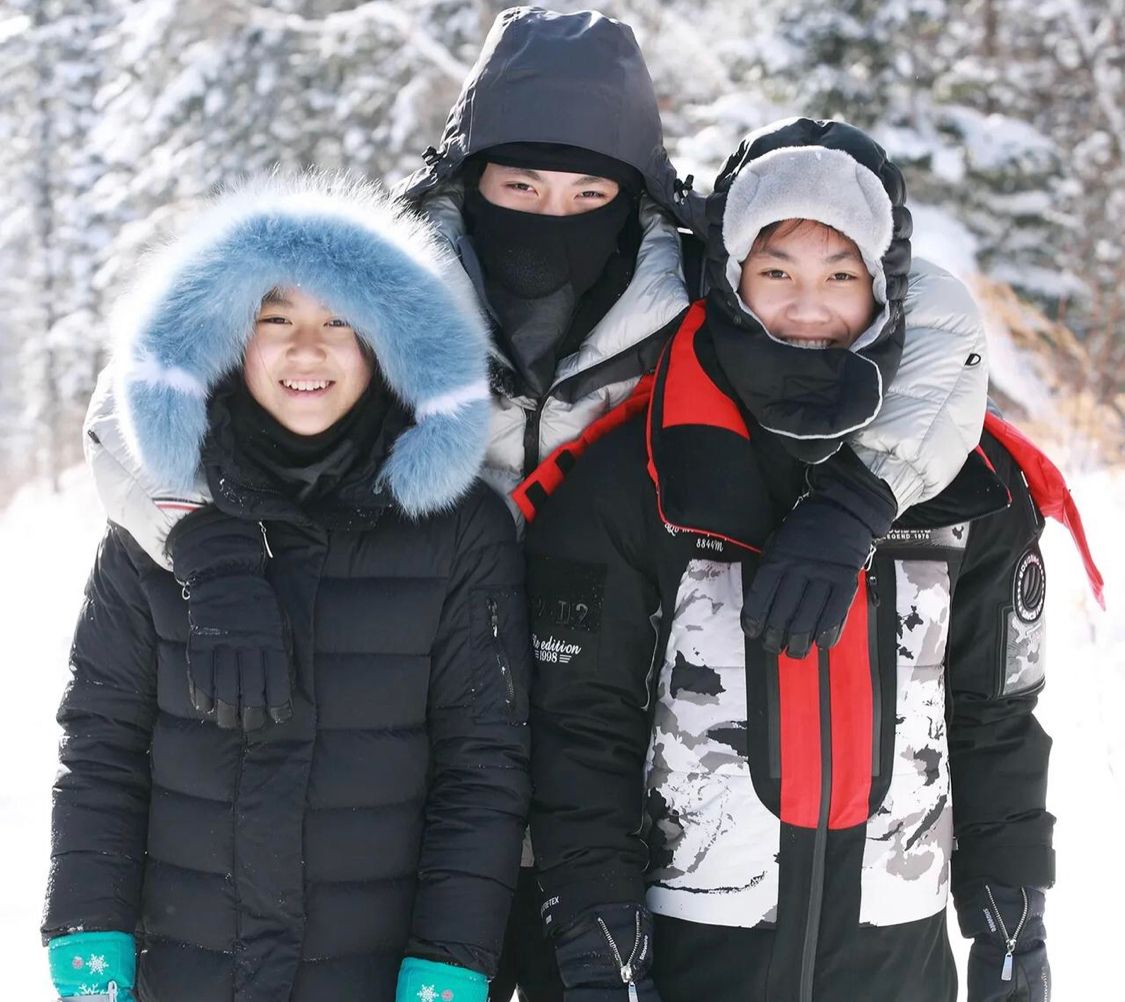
(112, 990)
(873, 588)
(1009, 941)
(633, 997)
(266, 540)
(493, 618)
(627, 974)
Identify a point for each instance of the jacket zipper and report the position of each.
(625, 968)
(531, 437)
(1009, 941)
(501, 656)
(111, 991)
(820, 840)
(872, 582)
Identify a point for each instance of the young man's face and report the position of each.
(546, 192)
(304, 365)
(808, 285)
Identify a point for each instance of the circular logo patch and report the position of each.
(1030, 588)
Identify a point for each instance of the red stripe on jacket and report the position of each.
(853, 744)
(851, 723)
(552, 471)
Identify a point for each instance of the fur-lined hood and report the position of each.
(187, 320)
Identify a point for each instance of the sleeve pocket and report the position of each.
(501, 654)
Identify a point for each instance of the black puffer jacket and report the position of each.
(303, 860)
(298, 856)
(798, 814)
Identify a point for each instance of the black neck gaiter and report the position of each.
(811, 397)
(305, 467)
(549, 279)
(532, 255)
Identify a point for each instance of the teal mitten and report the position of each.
(94, 965)
(427, 981)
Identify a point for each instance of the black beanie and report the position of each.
(555, 156)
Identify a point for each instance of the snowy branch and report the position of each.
(380, 11)
(1107, 81)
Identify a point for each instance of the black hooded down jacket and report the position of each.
(799, 814)
(304, 860)
(580, 80)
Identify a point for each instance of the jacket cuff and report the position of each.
(1013, 865)
(84, 963)
(428, 981)
(907, 483)
(844, 480)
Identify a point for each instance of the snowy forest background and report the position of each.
(118, 116)
(1008, 117)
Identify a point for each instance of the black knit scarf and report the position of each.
(247, 444)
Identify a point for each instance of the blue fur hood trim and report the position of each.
(188, 319)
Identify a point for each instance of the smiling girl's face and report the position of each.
(304, 364)
(808, 285)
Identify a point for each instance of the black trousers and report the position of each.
(527, 962)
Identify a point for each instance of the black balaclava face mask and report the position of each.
(532, 255)
(542, 273)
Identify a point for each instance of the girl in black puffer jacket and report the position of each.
(296, 769)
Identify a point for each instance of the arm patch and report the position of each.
(1024, 628)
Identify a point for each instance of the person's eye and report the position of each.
(775, 274)
(521, 186)
(337, 322)
(844, 276)
(593, 194)
(273, 320)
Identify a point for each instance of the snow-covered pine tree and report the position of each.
(21, 260)
(55, 74)
(121, 114)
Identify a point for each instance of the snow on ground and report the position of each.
(48, 543)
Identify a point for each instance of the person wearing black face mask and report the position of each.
(555, 231)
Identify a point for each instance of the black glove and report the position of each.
(1008, 958)
(605, 954)
(238, 650)
(810, 566)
